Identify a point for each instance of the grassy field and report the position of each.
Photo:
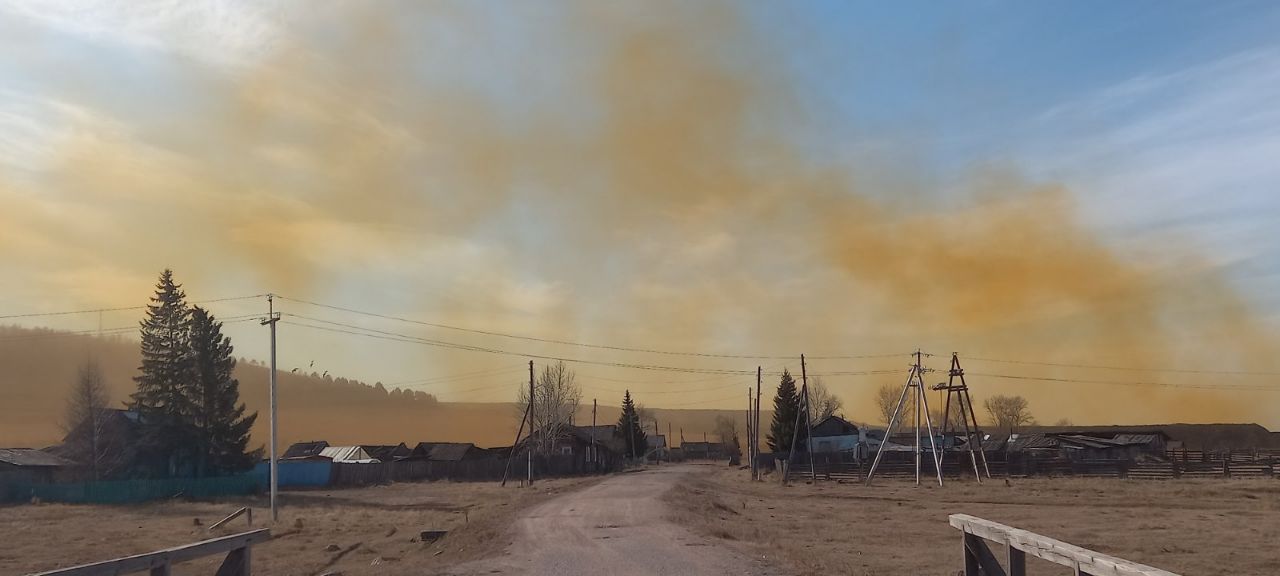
(1198, 527)
(356, 531)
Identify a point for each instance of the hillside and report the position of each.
(38, 368)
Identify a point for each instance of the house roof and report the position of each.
(347, 454)
(386, 452)
(835, 424)
(1137, 438)
(32, 458)
(305, 449)
(658, 441)
(444, 451)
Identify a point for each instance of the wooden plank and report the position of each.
(161, 558)
(1056, 551)
(1016, 560)
(235, 564)
(233, 516)
(977, 547)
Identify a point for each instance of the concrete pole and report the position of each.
(272, 318)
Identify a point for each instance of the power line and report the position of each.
(119, 309)
(397, 337)
(579, 344)
(110, 331)
(1239, 387)
(1124, 368)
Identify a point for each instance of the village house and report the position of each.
(835, 434)
(33, 466)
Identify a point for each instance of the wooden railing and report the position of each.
(1018, 544)
(160, 563)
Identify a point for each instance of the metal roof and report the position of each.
(347, 454)
(30, 457)
(1136, 438)
(305, 449)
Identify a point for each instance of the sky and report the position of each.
(1089, 183)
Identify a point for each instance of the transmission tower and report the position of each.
(964, 408)
(915, 388)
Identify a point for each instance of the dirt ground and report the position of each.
(356, 531)
(1191, 527)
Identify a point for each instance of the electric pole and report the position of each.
(531, 421)
(270, 320)
(808, 420)
(594, 457)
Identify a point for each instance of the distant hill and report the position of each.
(38, 368)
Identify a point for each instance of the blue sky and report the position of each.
(447, 174)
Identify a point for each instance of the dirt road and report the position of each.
(617, 528)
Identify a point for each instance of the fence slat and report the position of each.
(163, 559)
(1080, 559)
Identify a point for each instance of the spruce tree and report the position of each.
(221, 427)
(634, 441)
(162, 400)
(786, 410)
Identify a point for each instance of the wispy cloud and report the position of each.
(1187, 157)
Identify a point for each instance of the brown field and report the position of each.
(380, 522)
(1199, 527)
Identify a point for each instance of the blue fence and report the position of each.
(132, 491)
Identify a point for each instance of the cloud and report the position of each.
(208, 31)
(1185, 159)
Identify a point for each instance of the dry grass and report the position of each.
(381, 523)
(1188, 526)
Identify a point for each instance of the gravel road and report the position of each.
(616, 528)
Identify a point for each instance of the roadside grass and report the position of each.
(372, 530)
(1201, 527)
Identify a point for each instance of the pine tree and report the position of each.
(786, 410)
(162, 401)
(218, 417)
(629, 430)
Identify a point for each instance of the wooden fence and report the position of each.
(352, 474)
(160, 563)
(841, 467)
(979, 559)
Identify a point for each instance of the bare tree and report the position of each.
(823, 403)
(886, 400)
(727, 430)
(1008, 411)
(556, 398)
(86, 421)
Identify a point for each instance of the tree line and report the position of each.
(186, 410)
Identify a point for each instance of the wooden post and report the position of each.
(755, 439)
(532, 420)
(970, 559)
(808, 421)
(1016, 560)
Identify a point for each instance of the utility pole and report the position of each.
(512, 456)
(595, 457)
(755, 440)
(751, 457)
(270, 320)
(531, 421)
(657, 455)
(808, 420)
